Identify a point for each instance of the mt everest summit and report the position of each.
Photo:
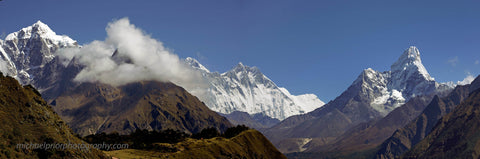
(246, 89)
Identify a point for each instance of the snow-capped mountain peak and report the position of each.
(246, 69)
(247, 89)
(406, 79)
(40, 30)
(409, 64)
(31, 48)
(195, 64)
(240, 68)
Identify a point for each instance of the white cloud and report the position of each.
(453, 61)
(477, 62)
(466, 80)
(4, 67)
(139, 58)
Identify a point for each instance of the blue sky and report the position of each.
(315, 47)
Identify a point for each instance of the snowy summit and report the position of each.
(247, 89)
(406, 79)
(410, 63)
(31, 48)
(41, 30)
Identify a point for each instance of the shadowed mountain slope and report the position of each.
(93, 108)
(405, 138)
(455, 135)
(26, 119)
(369, 135)
(371, 97)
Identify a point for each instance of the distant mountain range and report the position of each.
(246, 89)
(257, 121)
(32, 121)
(370, 97)
(402, 112)
(30, 55)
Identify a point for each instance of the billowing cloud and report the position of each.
(467, 80)
(138, 57)
(453, 61)
(4, 67)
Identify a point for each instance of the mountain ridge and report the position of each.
(247, 89)
(455, 135)
(31, 55)
(371, 97)
(93, 108)
(406, 137)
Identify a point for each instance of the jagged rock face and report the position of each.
(247, 89)
(371, 97)
(29, 55)
(382, 92)
(406, 79)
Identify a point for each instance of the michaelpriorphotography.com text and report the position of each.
(73, 146)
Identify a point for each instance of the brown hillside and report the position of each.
(455, 135)
(26, 118)
(248, 144)
(93, 108)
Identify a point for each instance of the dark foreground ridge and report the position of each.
(27, 119)
(247, 144)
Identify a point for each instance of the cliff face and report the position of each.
(26, 118)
